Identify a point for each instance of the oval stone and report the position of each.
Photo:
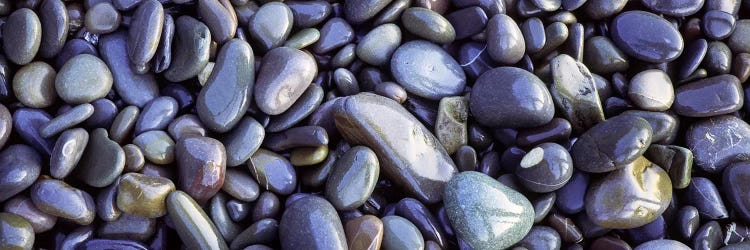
(505, 40)
(157, 146)
(22, 36)
(15, 232)
(510, 97)
(426, 70)
(283, 77)
(646, 36)
(485, 213)
(34, 85)
(53, 16)
(651, 90)
(273, 172)
(143, 195)
(68, 151)
(156, 115)
(678, 8)
(243, 141)
(84, 78)
(144, 40)
(192, 224)
(630, 197)
(408, 153)
(220, 17)
(708, 97)
(62, 200)
(359, 11)
(718, 141)
(24, 207)
(193, 41)
(400, 233)
(353, 178)
(20, 165)
(311, 223)
(135, 89)
(379, 44)
(202, 164)
(226, 95)
(271, 25)
(737, 193)
(611, 144)
(428, 24)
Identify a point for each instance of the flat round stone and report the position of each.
(283, 77)
(426, 70)
(651, 90)
(505, 41)
(646, 36)
(311, 222)
(611, 144)
(22, 35)
(379, 44)
(34, 85)
(84, 78)
(510, 97)
(692, 100)
(353, 178)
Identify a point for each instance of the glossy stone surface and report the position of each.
(226, 95)
(334, 34)
(735, 192)
(34, 85)
(20, 166)
(143, 195)
(271, 25)
(311, 222)
(67, 152)
(156, 115)
(102, 162)
(57, 198)
(157, 146)
(485, 213)
(70, 118)
(192, 39)
(220, 17)
(674, 7)
(428, 24)
(15, 232)
(135, 89)
(651, 90)
(646, 36)
(82, 79)
(273, 172)
(202, 165)
(510, 97)
(718, 141)
(364, 233)
(399, 233)
(240, 185)
(407, 152)
(574, 92)
(379, 44)
(704, 196)
(611, 144)
(22, 33)
(545, 168)
(283, 77)
(718, 95)
(505, 41)
(192, 224)
(143, 42)
(359, 11)
(24, 207)
(444, 77)
(629, 197)
(264, 231)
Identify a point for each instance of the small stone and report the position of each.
(143, 195)
(84, 78)
(34, 85)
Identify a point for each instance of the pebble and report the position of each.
(428, 24)
(678, 8)
(202, 166)
(220, 216)
(468, 21)
(20, 166)
(416, 212)
(134, 88)
(708, 236)
(646, 36)
(186, 216)
(399, 233)
(408, 153)
(193, 40)
(270, 26)
(738, 40)
(84, 78)
(67, 152)
(226, 95)
(691, 101)
(651, 90)
(243, 141)
(519, 100)
(301, 109)
(311, 222)
(128, 227)
(102, 162)
(15, 232)
(143, 42)
(25, 29)
(53, 16)
(334, 34)
(102, 18)
(533, 34)
(34, 85)
(187, 125)
(718, 58)
(308, 156)
(283, 77)
(688, 220)
(718, 24)
(541, 237)
(267, 206)
(220, 18)
(273, 172)
(59, 199)
(308, 14)
(444, 76)
(630, 197)
(24, 207)
(156, 115)
(240, 185)
(734, 191)
(451, 123)
(353, 178)
(574, 92)
(703, 195)
(485, 213)
(70, 118)
(612, 144)
(303, 38)
(378, 45)
(263, 231)
(104, 114)
(678, 161)
(364, 233)
(27, 123)
(505, 40)
(123, 123)
(359, 11)
(600, 9)
(545, 168)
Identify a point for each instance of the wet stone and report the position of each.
(703, 195)
(311, 222)
(282, 79)
(82, 79)
(611, 144)
(22, 33)
(333, 34)
(102, 162)
(690, 98)
(16, 232)
(134, 88)
(574, 92)
(70, 118)
(651, 90)
(57, 198)
(545, 168)
(450, 126)
(202, 166)
(718, 141)
(428, 24)
(468, 21)
(271, 25)
(718, 58)
(273, 172)
(67, 152)
(505, 40)
(20, 166)
(646, 36)
(102, 18)
(143, 42)
(444, 77)
(34, 85)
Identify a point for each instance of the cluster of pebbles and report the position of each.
(368, 124)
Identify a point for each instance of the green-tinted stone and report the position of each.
(344, 56)
(485, 213)
(22, 35)
(451, 126)
(24, 207)
(307, 156)
(240, 185)
(57, 198)
(193, 41)
(603, 57)
(84, 78)
(629, 197)
(379, 44)
(70, 118)
(400, 233)
(353, 178)
(243, 141)
(134, 159)
(225, 98)
(676, 160)
(220, 217)
(444, 77)
(15, 232)
(192, 224)
(157, 146)
(143, 195)
(303, 38)
(408, 153)
(574, 92)
(34, 85)
(124, 123)
(271, 25)
(428, 24)
(102, 161)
